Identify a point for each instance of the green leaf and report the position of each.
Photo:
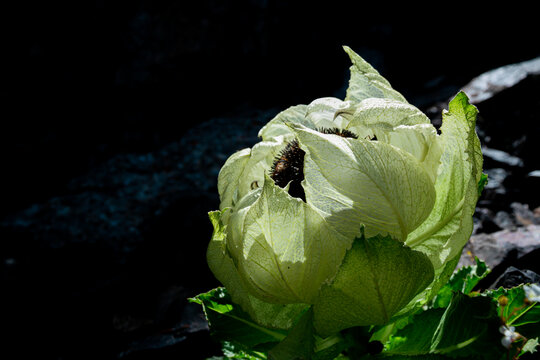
(530, 315)
(299, 343)
(420, 301)
(468, 327)
(233, 351)
(528, 324)
(416, 337)
(378, 276)
(330, 348)
(244, 339)
(516, 306)
(513, 306)
(366, 82)
(302, 343)
(412, 357)
(482, 183)
(515, 311)
(449, 225)
(228, 322)
(463, 280)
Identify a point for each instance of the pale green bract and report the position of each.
(385, 215)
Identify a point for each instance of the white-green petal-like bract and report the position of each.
(386, 208)
(347, 181)
(449, 226)
(366, 82)
(275, 316)
(281, 238)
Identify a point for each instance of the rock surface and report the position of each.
(492, 82)
(502, 246)
(513, 277)
(506, 233)
(506, 127)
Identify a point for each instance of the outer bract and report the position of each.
(385, 207)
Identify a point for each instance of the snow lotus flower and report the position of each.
(358, 208)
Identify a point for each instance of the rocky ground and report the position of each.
(104, 227)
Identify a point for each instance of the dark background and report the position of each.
(85, 82)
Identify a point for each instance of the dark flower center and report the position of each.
(288, 166)
(341, 132)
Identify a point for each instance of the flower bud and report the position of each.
(358, 208)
